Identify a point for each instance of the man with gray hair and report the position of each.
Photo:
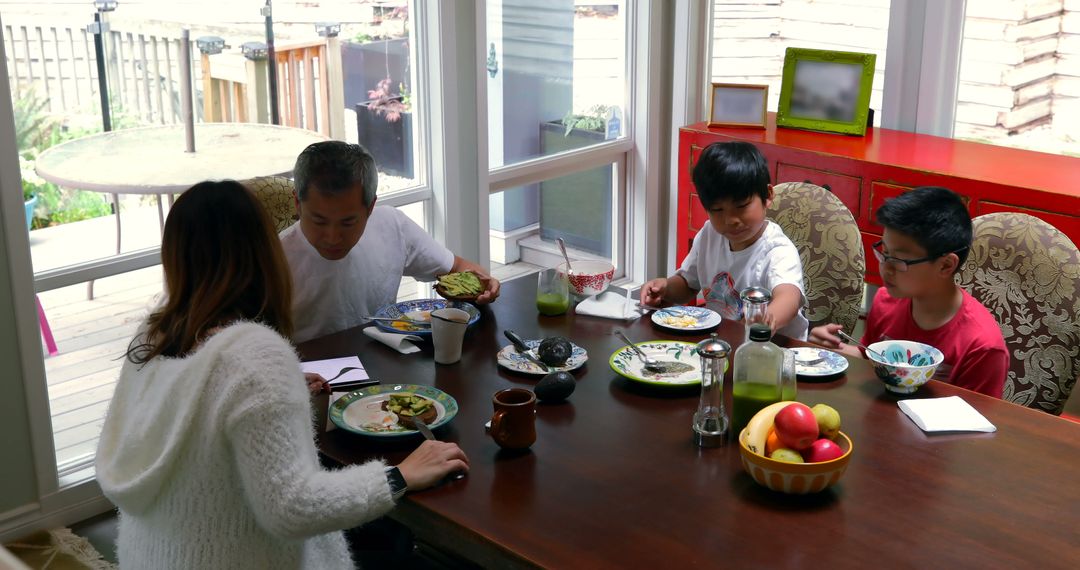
(347, 256)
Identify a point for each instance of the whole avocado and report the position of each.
(554, 351)
(555, 387)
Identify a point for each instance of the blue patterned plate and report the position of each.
(815, 362)
(360, 411)
(419, 310)
(628, 364)
(684, 318)
(508, 357)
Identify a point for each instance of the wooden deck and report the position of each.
(92, 337)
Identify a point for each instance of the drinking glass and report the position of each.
(552, 292)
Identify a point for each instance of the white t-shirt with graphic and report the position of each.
(719, 273)
(331, 296)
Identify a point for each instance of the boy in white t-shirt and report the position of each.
(345, 255)
(739, 248)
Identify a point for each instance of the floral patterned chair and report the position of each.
(276, 195)
(1028, 274)
(830, 246)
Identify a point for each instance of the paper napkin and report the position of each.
(945, 414)
(609, 305)
(398, 342)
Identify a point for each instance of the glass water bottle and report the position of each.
(710, 421)
(757, 378)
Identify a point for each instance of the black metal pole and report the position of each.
(103, 81)
(275, 116)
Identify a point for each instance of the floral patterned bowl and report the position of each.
(908, 364)
(587, 277)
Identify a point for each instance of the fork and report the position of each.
(343, 371)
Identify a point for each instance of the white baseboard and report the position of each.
(30, 519)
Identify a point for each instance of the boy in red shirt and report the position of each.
(926, 240)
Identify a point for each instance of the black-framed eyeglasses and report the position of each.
(902, 265)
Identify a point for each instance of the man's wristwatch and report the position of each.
(398, 486)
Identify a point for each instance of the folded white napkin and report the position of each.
(945, 414)
(609, 305)
(398, 342)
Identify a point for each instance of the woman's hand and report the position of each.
(316, 384)
(432, 461)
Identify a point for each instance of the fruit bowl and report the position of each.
(795, 478)
(588, 277)
(908, 364)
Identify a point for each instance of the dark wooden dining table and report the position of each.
(615, 480)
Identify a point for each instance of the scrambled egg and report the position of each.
(683, 321)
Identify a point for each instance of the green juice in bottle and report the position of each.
(757, 375)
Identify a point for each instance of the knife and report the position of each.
(422, 428)
(523, 349)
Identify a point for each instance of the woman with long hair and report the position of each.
(208, 448)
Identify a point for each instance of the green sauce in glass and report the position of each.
(552, 304)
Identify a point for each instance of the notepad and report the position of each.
(330, 367)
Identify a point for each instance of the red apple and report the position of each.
(823, 449)
(796, 427)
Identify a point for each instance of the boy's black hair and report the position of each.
(935, 217)
(733, 171)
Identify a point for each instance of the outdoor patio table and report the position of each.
(152, 160)
(615, 480)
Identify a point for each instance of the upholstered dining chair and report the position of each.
(830, 247)
(1027, 273)
(276, 195)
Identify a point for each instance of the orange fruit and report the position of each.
(772, 442)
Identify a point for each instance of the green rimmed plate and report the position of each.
(627, 363)
(360, 411)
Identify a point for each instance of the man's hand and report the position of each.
(491, 288)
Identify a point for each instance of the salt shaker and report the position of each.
(710, 421)
(755, 306)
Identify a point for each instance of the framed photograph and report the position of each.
(734, 105)
(826, 90)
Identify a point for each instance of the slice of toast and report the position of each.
(430, 414)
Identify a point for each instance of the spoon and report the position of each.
(850, 340)
(562, 247)
(650, 362)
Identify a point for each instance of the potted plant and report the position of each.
(384, 127)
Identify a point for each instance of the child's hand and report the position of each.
(825, 335)
(652, 292)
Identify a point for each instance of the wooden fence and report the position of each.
(58, 61)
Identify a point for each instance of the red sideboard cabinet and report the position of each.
(865, 171)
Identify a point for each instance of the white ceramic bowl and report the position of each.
(904, 378)
(587, 277)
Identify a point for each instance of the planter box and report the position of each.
(390, 143)
(29, 205)
(576, 207)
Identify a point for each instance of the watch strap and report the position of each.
(398, 486)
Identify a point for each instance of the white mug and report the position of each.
(448, 333)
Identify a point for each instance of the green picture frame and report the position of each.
(826, 91)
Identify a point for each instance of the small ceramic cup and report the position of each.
(514, 424)
(447, 333)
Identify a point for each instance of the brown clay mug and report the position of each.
(514, 424)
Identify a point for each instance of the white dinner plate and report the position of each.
(815, 362)
(685, 318)
(509, 358)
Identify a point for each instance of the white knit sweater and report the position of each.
(211, 460)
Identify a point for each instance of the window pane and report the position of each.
(1020, 76)
(551, 66)
(579, 208)
(750, 37)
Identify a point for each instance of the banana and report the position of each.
(758, 428)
